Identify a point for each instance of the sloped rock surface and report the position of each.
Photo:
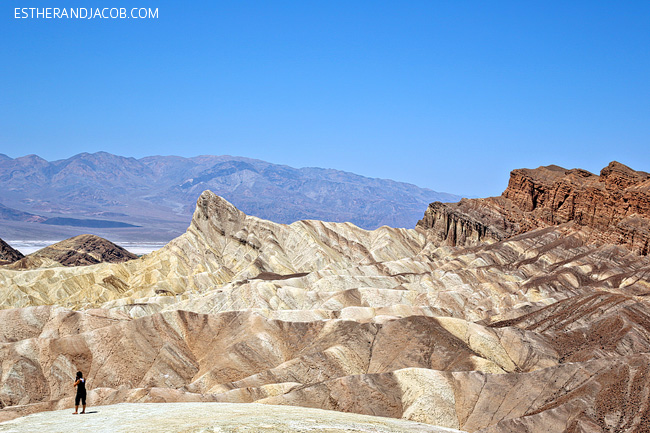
(545, 330)
(234, 351)
(8, 254)
(222, 245)
(224, 260)
(496, 379)
(82, 250)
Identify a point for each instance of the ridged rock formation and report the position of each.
(543, 331)
(8, 254)
(82, 250)
(615, 204)
(468, 222)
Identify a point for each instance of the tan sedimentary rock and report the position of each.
(607, 394)
(43, 347)
(222, 245)
(545, 330)
(225, 260)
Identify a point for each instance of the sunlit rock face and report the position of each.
(544, 330)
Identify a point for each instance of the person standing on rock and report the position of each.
(80, 384)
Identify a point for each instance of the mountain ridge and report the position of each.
(158, 193)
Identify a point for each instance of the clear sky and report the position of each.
(449, 95)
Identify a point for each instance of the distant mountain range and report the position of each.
(152, 198)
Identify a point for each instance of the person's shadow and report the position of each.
(91, 411)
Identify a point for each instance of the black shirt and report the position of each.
(81, 386)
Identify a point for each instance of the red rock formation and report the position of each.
(616, 204)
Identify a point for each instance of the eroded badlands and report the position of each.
(546, 331)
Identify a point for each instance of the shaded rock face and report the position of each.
(469, 222)
(82, 250)
(616, 204)
(8, 254)
(542, 331)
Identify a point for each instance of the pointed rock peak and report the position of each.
(8, 254)
(621, 176)
(209, 205)
(616, 166)
(215, 216)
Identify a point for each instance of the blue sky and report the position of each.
(447, 95)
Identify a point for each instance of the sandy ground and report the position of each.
(209, 418)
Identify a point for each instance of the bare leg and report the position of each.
(83, 410)
(76, 410)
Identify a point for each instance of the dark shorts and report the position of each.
(81, 397)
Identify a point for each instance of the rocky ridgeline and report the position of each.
(615, 205)
(8, 254)
(82, 250)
